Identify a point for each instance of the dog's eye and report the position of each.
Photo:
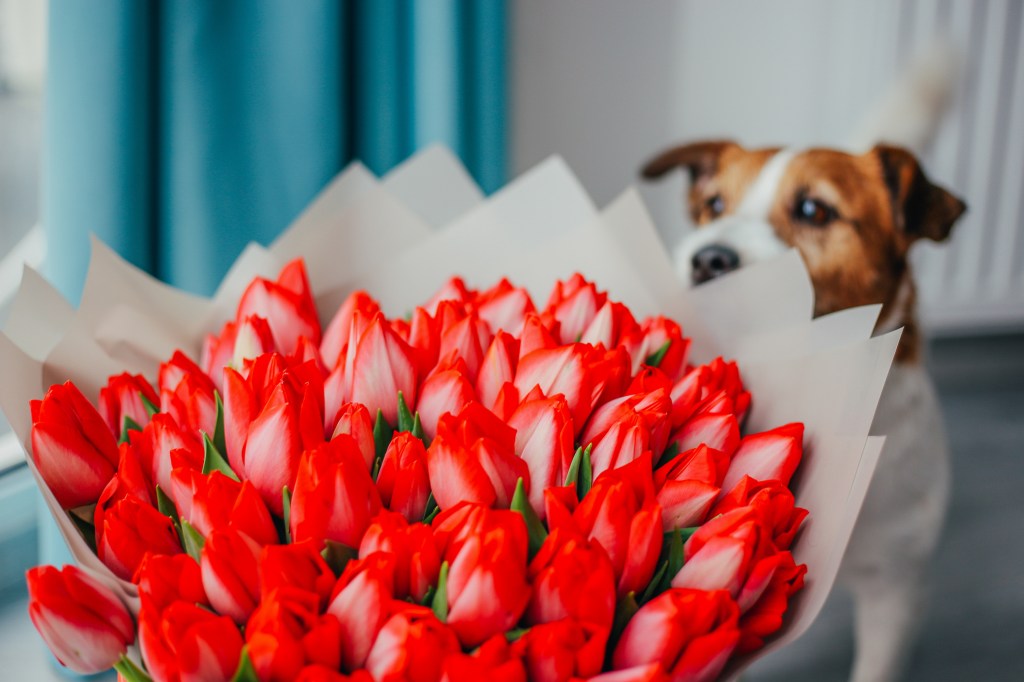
(715, 205)
(813, 212)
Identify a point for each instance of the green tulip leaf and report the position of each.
(245, 672)
(405, 418)
(213, 460)
(655, 358)
(535, 531)
(440, 600)
(192, 540)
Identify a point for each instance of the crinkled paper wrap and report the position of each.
(402, 236)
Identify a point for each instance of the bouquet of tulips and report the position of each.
(482, 488)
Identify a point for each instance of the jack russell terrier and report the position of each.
(853, 218)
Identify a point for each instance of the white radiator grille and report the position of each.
(977, 280)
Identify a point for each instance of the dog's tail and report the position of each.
(910, 113)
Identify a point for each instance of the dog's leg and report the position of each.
(887, 616)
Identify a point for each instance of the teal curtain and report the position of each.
(179, 130)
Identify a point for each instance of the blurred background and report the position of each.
(178, 131)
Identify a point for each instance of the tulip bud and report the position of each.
(416, 560)
(574, 304)
(123, 397)
(213, 501)
(72, 446)
(544, 440)
(691, 633)
(287, 631)
(129, 531)
(498, 368)
(287, 306)
(412, 645)
(403, 481)
(185, 641)
(493, 660)
(361, 602)
(487, 587)
(382, 365)
(297, 565)
(81, 620)
(771, 455)
(563, 650)
(444, 392)
(504, 307)
(473, 459)
(354, 420)
(572, 578)
(166, 578)
(621, 514)
(335, 340)
(230, 562)
(334, 497)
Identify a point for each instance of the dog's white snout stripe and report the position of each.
(747, 231)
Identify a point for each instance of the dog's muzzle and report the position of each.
(713, 261)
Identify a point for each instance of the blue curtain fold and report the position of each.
(179, 130)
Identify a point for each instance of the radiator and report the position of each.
(975, 282)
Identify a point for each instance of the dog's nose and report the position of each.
(713, 261)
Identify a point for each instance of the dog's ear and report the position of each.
(920, 208)
(699, 158)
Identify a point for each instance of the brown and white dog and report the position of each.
(853, 218)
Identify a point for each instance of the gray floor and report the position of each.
(975, 627)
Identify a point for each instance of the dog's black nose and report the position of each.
(713, 261)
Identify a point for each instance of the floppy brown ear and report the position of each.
(699, 158)
(920, 208)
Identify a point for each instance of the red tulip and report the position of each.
(416, 559)
(498, 368)
(621, 514)
(361, 602)
(287, 306)
(176, 369)
(717, 431)
(624, 428)
(493, 661)
(701, 463)
(771, 455)
(213, 501)
(230, 570)
(240, 409)
(166, 578)
(560, 370)
(444, 392)
(733, 552)
(272, 449)
(81, 620)
(473, 459)
(411, 646)
(466, 339)
(72, 446)
(537, 334)
(191, 404)
(355, 420)
(381, 366)
(188, 642)
(572, 578)
(238, 344)
(764, 617)
(772, 501)
(487, 587)
(691, 633)
(403, 481)
(131, 479)
(686, 488)
(336, 336)
(504, 306)
(649, 339)
(298, 565)
(544, 440)
(334, 497)
(287, 631)
(122, 397)
(562, 650)
(454, 527)
(164, 446)
(612, 322)
(574, 304)
(129, 531)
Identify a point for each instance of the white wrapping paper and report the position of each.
(400, 238)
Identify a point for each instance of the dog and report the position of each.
(853, 218)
